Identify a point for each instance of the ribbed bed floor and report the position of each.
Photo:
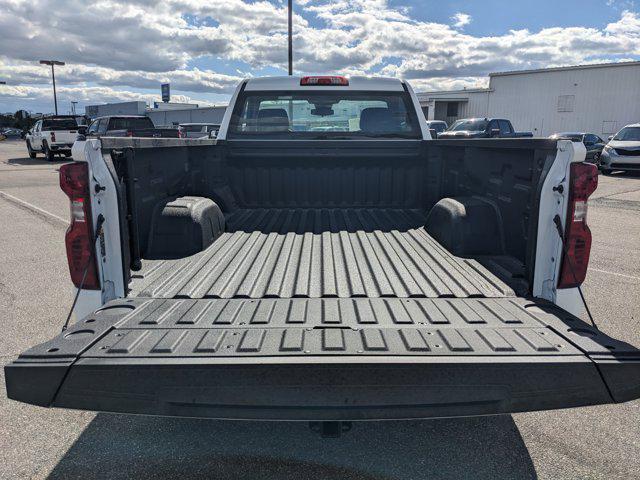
(314, 253)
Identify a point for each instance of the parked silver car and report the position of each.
(623, 151)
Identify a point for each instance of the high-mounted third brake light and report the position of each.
(74, 181)
(325, 81)
(577, 236)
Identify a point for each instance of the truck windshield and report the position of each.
(59, 124)
(130, 123)
(469, 125)
(324, 115)
(628, 134)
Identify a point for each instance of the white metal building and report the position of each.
(161, 117)
(599, 99)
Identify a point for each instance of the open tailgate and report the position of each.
(326, 359)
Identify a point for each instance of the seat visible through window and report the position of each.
(273, 120)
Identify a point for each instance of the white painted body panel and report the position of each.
(103, 202)
(549, 244)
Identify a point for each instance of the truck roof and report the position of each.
(355, 83)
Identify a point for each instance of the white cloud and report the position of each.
(461, 19)
(133, 45)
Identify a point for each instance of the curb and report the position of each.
(47, 216)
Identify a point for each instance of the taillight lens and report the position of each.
(53, 136)
(326, 81)
(129, 133)
(74, 181)
(577, 236)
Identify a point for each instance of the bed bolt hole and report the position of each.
(90, 320)
(105, 347)
(52, 350)
(438, 346)
(429, 333)
(560, 346)
(119, 334)
(229, 346)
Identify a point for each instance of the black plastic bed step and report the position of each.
(326, 359)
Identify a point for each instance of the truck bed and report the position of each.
(285, 253)
(325, 298)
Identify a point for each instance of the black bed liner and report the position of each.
(326, 359)
(349, 252)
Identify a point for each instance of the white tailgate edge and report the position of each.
(549, 244)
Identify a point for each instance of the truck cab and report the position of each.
(324, 260)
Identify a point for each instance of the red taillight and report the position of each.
(53, 136)
(74, 181)
(129, 133)
(577, 236)
(328, 81)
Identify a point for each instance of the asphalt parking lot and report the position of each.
(35, 295)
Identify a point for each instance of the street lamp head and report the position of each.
(51, 62)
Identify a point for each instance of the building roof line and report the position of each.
(464, 90)
(570, 67)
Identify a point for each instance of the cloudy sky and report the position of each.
(122, 50)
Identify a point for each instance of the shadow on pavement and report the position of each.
(37, 161)
(118, 446)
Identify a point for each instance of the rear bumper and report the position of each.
(61, 147)
(159, 359)
(301, 389)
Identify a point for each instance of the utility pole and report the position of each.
(290, 18)
(53, 76)
(73, 107)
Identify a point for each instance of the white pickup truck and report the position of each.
(52, 136)
(325, 260)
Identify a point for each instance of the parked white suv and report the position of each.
(51, 136)
(623, 151)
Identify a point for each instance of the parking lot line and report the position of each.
(51, 217)
(614, 273)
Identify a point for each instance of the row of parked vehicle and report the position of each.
(55, 135)
(620, 152)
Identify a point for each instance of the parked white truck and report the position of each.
(52, 136)
(325, 260)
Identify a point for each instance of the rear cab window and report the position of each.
(54, 124)
(193, 128)
(130, 123)
(505, 127)
(324, 115)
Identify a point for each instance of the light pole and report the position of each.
(290, 20)
(53, 76)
